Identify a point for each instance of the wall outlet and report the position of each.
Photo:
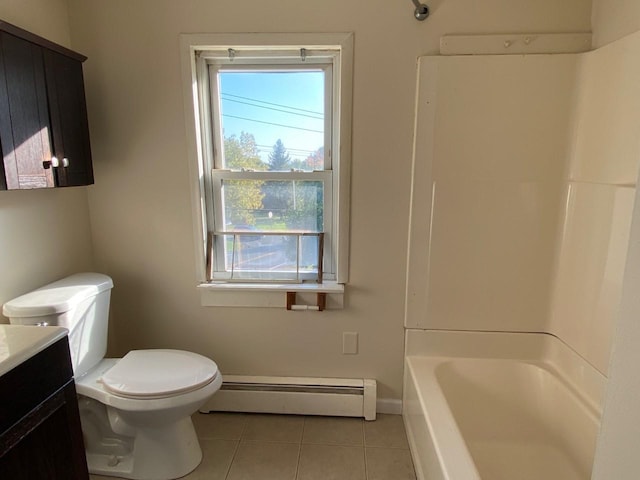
(350, 343)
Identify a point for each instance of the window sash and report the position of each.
(218, 177)
(289, 60)
(216, 108)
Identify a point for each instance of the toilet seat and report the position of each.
(155, 374)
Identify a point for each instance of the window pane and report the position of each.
(272, 120)
(273, 205)
(270, 256)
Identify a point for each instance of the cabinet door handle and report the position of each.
(65, 162)
(55, 162)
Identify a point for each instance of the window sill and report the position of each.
(269, 295)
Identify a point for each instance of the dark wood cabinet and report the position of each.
(68, 114)
(40, 432)
(44, 132)
(24, 118)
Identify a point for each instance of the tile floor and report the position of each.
(239, 446)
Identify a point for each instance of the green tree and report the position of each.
(242, 153)
(307, 212)
(242, 197)
(279, 159)
(279, 195)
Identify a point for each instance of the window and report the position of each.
(272, 153)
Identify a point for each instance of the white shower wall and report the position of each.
(523, 186)
(599, 193)
(491, 142)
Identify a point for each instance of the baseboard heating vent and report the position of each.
(342, 397)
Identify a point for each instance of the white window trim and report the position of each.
(196, 138)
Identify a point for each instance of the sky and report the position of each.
(293, 101)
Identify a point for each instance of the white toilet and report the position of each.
(136, 410)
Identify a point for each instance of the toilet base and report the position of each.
(140, 439)
(164, 453)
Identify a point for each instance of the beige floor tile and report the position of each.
(219, 425)
(331, 462)
(217, 456)
(264, 461)
(333, 431)
(389, 464)
(385, 431)
(273, 428)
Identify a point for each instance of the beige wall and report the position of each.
(613, 19)
(44, 234)
(140, 206)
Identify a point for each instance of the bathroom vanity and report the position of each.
(40, 434)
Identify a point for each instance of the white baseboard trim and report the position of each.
(390, 406)
(299, 395)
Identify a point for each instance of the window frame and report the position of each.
(199, 51)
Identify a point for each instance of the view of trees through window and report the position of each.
(271, 205)
(272, 121)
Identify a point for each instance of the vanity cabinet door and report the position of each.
(69, 125)
(24, 116)
(40, 431)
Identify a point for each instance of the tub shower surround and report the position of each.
(524, 182)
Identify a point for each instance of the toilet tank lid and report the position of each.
(57, 297)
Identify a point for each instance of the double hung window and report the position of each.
(272, 159)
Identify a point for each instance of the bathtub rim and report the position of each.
(447, 442)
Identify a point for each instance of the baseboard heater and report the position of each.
(342, 397)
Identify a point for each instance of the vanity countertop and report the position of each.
(21, 342)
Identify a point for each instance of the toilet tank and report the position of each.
(80, 303)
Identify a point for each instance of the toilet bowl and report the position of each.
(135, 411)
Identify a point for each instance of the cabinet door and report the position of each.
(68, 112)
(24, 118)
(40, 431)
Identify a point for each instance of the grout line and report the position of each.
(244, 426)
(278, 442)
(304, 423)
(331, 444)
(364, 434)
(387, 447)
(233, 458)
(235, 452)
(364, 449)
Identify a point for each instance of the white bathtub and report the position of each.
(499, 406)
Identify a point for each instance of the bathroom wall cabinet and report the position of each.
(44, 132)
(40, 433)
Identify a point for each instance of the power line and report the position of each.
(222, 94)
(296, 155)
(271, 123)
(288, 149)
(274, 109)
